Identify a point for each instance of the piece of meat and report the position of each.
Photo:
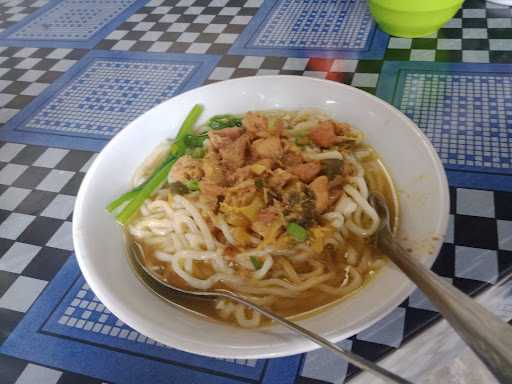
(268, 148)
(306, 172)
(213, 172)
(320, 188)
(211, 191)
(290, 146)
(236, 220)
(324, 134)
(268, 215)
(231, 251)
(241, 194)
(186, 168)
(240, 175)
(267, 163)
(278, 127)
(280, 178)
(217, 141)
(213, 168)
(342, 129)
(233, 155)
(224, 137)
(259, 227)
(242, 238)
(232, 133)
(292, 158)
(256, 124)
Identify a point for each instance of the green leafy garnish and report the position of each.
(297, 231)
(258, 183)
(186, 129)
(197, 153)
(125, 197)
(193, 141)
(178, 188)
(224, 121)
(137, 195)
(256, 262)
(192, 185)
(152, 184)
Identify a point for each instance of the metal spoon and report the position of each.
(489, 337)
(170, 293)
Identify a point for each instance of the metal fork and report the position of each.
(171, 293)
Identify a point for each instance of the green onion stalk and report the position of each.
(136, 197)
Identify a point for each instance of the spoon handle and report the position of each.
(489, 337)
(168, 293)
(357, 360)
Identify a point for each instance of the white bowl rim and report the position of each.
(120, 311)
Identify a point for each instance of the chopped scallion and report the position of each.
(192, 185)
(197, 153)
(297, 231)
(178, 188)
(256, 262)
(193, 141)
(224, 121)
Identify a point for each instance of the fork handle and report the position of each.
(488, 336)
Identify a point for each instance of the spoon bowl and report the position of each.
(171, 293)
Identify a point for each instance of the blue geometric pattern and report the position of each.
(108, 95)
(326, 24)
(468, 117)
(82, 316)
(68, 318)
(86, 318)
(465, 110)
(66, 23)
(85, 312)
(72, 20)
(102, 94)
(312, 27)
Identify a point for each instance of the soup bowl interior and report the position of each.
(408, 155)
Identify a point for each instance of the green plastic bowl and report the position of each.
(413, 18)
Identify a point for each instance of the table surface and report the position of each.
(73, 73)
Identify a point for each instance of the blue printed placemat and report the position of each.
(70, 23)
(72, 73)
(465, 110)
(69, 328)
(101, 94)
(296, 28)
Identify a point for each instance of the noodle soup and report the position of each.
(271, 205)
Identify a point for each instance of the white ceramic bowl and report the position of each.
(413, 163)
